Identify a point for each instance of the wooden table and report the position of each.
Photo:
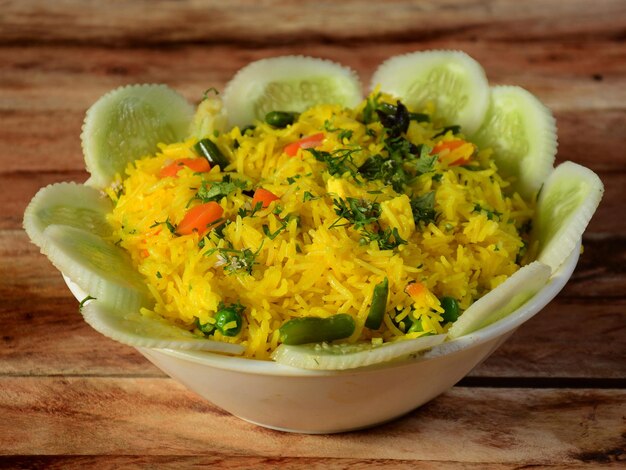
(553, 395)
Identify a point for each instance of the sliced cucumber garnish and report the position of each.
(522, 133)
(324, 356)
(98, 267)
(289, 83)
(132, 328)
(67, 204)
(128, 123)
(565, 206)
(503, 300)
(452, 80)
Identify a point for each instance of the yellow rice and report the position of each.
(311, 268)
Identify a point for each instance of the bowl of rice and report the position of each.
(318, 265)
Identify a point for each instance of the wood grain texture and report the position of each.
(533, 426)
(279, 21)
(553, 396)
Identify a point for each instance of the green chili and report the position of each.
(280, 119)
(379, 305)
(210, 151)
(451, 309)
(316, 330)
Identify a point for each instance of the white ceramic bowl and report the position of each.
(297, 400)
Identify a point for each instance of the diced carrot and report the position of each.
(263, 196)
(415, 289)
(450, 146)
(447, 145)
(306, 143)
(200, 219)
(198, 165)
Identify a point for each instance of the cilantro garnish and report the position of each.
(423, 208)
(338, 162)
(490, 213)
(214, 191)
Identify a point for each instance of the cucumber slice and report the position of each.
(522, 133)
(70, 204)
(503, 300)
(566, 203)
(288, 83)
(128, 123)
(326, 356)
(132, 328)
(98, 267)
(452, 80)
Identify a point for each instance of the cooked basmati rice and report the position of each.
(308, 261)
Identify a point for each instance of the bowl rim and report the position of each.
(505, 325)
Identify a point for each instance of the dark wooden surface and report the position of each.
(553, 395)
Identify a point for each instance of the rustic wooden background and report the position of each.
(553, 395)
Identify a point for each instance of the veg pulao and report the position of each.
(313, 216)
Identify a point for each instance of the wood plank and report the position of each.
(279, 21)
(108, 462)
(506, 426)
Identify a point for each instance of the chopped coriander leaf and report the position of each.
(170, 226)
(291, 180)
(214, 191)
(159, 275)
(243, 212)
(358, 212)
(369, 111)
(425, 163)
(490, 213)
(338, 162)
(387, 239)
(308, 196)
(423, 208)
(345, 134)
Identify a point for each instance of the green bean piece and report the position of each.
(390, 109)
(316, 330)
(280, 119)
(379, 305)
(419, 117)
(210, 151)
(206, 328)
(226, 315)
(451, 309)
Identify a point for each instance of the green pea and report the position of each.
(379, 305)
(316, 330)
(280, 119)
(417, 327)
(206, 328)
(451, 309)
(210, 151)
(225, 316)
